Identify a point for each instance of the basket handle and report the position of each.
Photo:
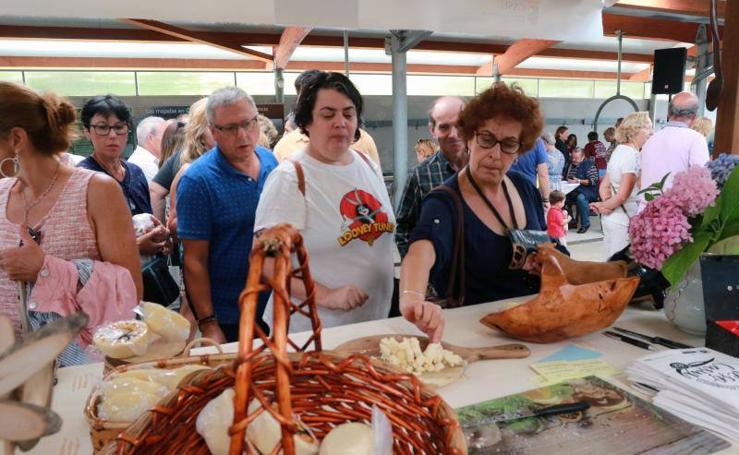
(201, 341)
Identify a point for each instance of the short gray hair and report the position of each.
(679, 107)
(146, 127)
(548, 138)
(225, 97)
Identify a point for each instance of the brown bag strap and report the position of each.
(301, 176)
(455, 289)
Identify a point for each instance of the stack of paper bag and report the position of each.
(699, 385)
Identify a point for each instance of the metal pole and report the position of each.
(346, 53)
(700, 82)
(279, 86)
(400, 120)
(618, 72)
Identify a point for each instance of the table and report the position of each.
(482, 381)
(568, 187)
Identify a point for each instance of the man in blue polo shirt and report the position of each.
(533, 164)
(216, 201)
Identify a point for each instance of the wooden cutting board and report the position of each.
(370, 346)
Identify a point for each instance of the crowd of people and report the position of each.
(212, 180)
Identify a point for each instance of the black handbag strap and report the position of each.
(455, 288)
(490, 204)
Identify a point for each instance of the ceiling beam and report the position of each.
(130, 64)
(650, 28)
(108, 63)
(271, 39)
(643, 75)
(289, 41)
(206, 38)
(515, 54)
(687, 7)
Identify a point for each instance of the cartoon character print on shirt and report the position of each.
(363, 218)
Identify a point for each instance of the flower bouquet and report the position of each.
(698, 213)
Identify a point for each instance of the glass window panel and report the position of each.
(647, 90)
(606, 89)
(259, 83)
(83, 83)
(530, 86)
(441, 85)
(565, 88)
(11, 76)
(373, 84)
(183, 83)
(290, 83)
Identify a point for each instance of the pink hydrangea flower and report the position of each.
(658, 231)
(693, 190)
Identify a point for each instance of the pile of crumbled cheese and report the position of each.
(407, 355)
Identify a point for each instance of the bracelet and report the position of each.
(419, 293)
(207, 319)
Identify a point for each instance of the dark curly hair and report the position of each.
(505, 101)
(309, 93)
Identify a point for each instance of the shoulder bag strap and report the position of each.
(455, 289)
(301, 176)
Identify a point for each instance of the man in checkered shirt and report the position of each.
(432, 172)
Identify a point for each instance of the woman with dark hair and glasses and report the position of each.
(336, 197)
(498, 125)
(106, 121)
(66, 239)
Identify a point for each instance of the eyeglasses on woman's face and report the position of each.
(103, 129)
(508, 145)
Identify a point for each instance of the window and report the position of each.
(83, 83)
(441, 85)
(529, 86)
(259, 83)
(12, 76)
(182, 83)
(564, 88)
(373, 84)
(606, 89)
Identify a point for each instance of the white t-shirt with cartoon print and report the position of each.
(348, 226)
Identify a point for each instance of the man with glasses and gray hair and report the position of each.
(216, 202)
(675, 147)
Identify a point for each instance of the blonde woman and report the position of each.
(198, 140)
(703, 125)
(618, 191)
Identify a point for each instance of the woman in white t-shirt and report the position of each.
(618, 190)
(344, 212)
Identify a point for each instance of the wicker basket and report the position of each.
(103, 431)
(324, 389)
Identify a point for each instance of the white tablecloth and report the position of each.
(482, 381)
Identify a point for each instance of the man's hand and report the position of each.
(213, 331)
(573, 181)
(342, 298)
(427, 316)
(23, 263)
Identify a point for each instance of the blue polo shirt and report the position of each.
(217, 203)
(527, 162)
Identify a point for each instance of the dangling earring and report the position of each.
(16, 166)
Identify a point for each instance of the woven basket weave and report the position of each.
(324, 389)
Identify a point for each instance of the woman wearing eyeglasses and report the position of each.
(106, 121)
(336, 197)
(498, 125)
(66, 239)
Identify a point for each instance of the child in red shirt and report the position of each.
(557, 217)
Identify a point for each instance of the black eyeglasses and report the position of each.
(103, 129)
(487, 141)
(233, 129)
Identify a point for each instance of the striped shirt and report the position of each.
(423, 178)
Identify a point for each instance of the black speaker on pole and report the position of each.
(669, 70)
